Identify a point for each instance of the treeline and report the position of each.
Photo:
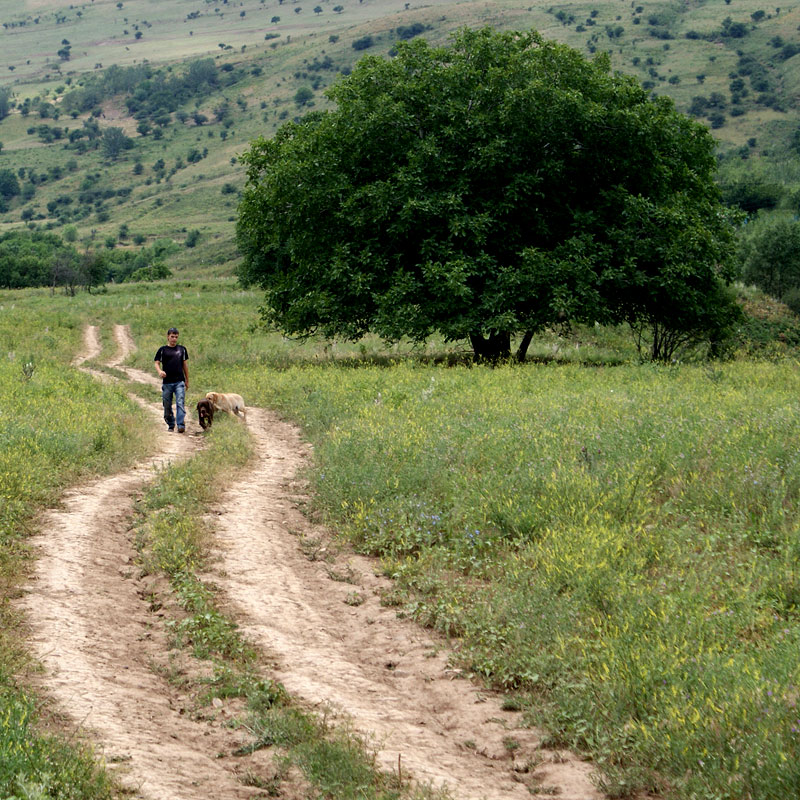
(44, 259)
(39, 258)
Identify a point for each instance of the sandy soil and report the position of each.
(315, 614)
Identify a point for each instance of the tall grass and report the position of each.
(619, 546)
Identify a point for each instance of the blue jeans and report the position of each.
(179, 392)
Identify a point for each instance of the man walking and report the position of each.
(171, 367)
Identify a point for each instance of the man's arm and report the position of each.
(186, 374)
(161, 373)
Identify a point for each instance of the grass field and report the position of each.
(615, 547)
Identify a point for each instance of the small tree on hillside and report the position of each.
(5, 101)
(486, 190)
(9, 185)
(114, 142)
(303, 95)
(770, 258)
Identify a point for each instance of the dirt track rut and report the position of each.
(98, 640)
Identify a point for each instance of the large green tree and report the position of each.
(485, 190)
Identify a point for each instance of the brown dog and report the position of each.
(205, 413)
(229, 403)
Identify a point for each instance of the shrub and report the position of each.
(363, 43)
(717, 119)
(792, 299)
(155, 272)
(303, 95)
(9, 185)
(409, 31)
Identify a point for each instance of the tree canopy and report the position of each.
(770, 257)
(36, 258)
(484, 190)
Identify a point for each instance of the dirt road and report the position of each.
(105, 652)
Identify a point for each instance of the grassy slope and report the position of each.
(234, 33)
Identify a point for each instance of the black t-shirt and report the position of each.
(171, 359)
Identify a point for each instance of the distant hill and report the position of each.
(123, 121)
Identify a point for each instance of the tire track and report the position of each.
(98, 642)
(389, 678)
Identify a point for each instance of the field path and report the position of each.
(98, 641)
(317, 616)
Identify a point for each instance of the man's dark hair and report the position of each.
(172, 330)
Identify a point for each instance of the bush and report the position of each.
(717, 119)
(155, 272)
(9, 185)
(789, 51)
(363, 43)
(792, 299)
(735, 30)
(303, 95)
(751, 194)
(409, 31)
(699, 106)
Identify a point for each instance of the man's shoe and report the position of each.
(181, 429)
(170, 429)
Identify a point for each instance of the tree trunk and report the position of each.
(496, 347)
(522, 350)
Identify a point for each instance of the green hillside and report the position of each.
(73, 71)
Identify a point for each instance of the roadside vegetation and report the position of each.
(616, 548)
